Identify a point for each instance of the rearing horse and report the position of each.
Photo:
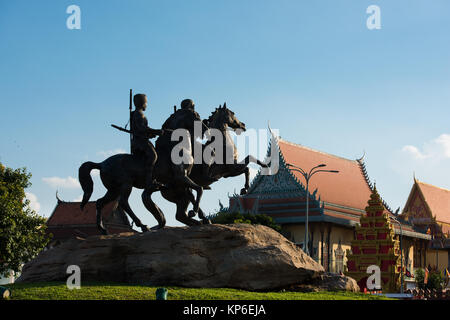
(121, 172)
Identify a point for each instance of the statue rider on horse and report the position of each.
(140, 143)
(152, 169)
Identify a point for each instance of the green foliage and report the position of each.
(117, 291)
(242, 221)
(434, 279)
(22, 231)
(223, 217)
(420, 276)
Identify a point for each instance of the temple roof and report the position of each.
(349, 187)
(68, 221)
(339, 198)
(69, 213)
(437, 199)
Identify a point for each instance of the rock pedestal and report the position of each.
(250, 257)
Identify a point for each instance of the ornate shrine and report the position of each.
(375, 245)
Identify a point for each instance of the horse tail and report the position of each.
(84, 176)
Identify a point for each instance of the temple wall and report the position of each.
(297, 232)
(337, 233)
(434, 258)
(344, 236)
(437, 258)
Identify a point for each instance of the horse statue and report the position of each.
(222, 119)
(121, 172)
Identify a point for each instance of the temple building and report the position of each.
(428, 210)
(68, 221)
(336, 202)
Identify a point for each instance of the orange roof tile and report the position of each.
(347, 188)
(437, 199)
(69, 213)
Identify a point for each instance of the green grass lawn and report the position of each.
(99, 291)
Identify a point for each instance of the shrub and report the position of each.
(434, 279)
(420, 276)
(224, 217)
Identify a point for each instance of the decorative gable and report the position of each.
(416, 210)
(282, 182)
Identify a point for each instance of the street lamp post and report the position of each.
(401, 255)
(308, 176)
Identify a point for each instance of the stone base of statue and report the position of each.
(250, 257)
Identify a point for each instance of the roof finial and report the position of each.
(57, 198)
(362, 158)
(414, 176)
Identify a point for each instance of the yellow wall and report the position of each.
(297, 232)
(345, 235)
(437, 258)
(434, 258)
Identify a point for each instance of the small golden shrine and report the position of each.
(375, 244)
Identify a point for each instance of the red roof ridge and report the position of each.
(431, 185)
(436, 199)
(357, 163)
(318, 151)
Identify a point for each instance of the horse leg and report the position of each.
(154, 209)
(201, 214)
(187, 182)
(238, 169)
(100, 203)
(123, 202)
(182, 205)
(252, 159)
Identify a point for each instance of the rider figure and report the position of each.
(141, 135)
(188, 104)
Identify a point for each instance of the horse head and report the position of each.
(223, 118)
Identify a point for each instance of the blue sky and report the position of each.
(310, 67)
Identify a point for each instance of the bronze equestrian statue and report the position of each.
(121, 172)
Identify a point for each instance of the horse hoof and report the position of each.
(191, 213)
(243, 191)
(144, 228)
(206, 221)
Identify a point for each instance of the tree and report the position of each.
(22, 231)
(224, 217)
